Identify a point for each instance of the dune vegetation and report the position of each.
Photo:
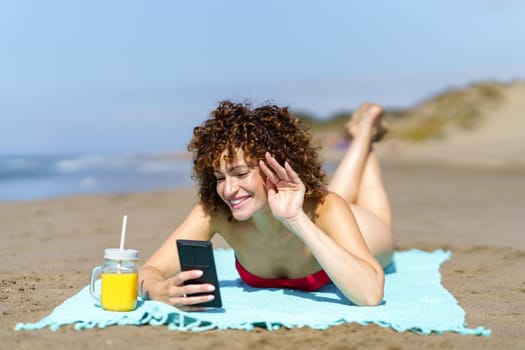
(454, 108)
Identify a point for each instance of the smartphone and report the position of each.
(198, 255)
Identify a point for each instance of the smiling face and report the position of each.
(240, 185)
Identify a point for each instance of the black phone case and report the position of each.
(198, 255)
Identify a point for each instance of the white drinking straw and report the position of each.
(123, 233)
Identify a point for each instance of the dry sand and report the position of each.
(48, 248)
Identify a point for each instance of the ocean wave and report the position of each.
(86, 163)
(32, 177)
(21, 167)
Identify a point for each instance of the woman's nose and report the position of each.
(230, 186)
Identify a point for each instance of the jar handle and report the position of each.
(94, 275)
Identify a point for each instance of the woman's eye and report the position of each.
(219, 179)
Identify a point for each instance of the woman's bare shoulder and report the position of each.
(331, 207)
(330, 201)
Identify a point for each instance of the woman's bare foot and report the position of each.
(368, 117)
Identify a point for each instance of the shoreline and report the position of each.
(390, 153)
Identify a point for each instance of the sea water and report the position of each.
(31, 177)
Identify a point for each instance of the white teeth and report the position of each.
(237, 201)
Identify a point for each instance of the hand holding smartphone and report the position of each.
(198, 255)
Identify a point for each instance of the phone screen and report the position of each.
(198, 255)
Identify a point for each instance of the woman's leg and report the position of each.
(358, 180)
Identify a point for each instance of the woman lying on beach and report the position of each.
(261, 187)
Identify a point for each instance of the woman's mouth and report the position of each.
(238, 202)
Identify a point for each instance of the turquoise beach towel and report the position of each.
(414, 300)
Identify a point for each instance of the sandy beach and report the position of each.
(474, 208)
(49, 247)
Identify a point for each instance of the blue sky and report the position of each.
(137, 76)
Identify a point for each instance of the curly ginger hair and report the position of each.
(267, 128)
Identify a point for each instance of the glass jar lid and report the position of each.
(117, 254)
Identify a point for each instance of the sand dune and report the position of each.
(497, 140)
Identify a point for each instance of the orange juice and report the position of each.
(119, 291)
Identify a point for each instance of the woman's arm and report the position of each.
(160, 277)
(334, 240)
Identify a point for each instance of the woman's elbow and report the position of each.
(373, 298)
(374, 294)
